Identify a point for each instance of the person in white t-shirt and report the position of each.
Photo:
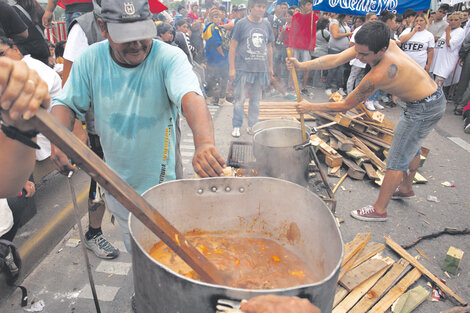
(358, 69)
(418, 43)
(446, 51)
(54, 84)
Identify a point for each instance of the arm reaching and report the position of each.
(324, 62)
(278, 304)
(207, 160)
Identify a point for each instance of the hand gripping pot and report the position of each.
(262, 207)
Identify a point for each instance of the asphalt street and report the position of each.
(55, 271)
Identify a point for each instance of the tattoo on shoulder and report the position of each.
(392, 71)
(364, 90)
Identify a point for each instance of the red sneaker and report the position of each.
(369, 214)
(398, 195)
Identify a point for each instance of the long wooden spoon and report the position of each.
(126, 195)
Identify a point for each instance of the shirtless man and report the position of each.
(396, 73)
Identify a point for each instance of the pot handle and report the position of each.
(228, 306)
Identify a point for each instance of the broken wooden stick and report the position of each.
(404, 254)
(447, 230)
(339, 182)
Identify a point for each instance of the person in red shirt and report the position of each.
(303, 36)
(193, 15)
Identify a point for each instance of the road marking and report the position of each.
(460, 142)
(189, 134)
(27, 247)
(187, 154)
(189, 141)
(116, 268)
(120, 245)
(186, 161)
(188, 147)
(104, 293)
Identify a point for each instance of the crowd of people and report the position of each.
(215, 56)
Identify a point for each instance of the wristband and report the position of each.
(25, 137)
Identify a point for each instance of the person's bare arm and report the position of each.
(448, 38)
(67, 118)
(361, 93)
(270, 59)
(49, 13)
(207, 160)
(429, 60)
(336, 34)
(325, 62)
(231, 59)
(22, 92)
(404, 38)
(278, 304)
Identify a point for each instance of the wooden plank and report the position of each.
(404, 254)
(371, 249)
(396, 291)
(370, 171)
(354, 170)
(334, 143)
(340, 294)
(371, 155)
(381, 287)
(346, 265)
(354, 296)
(125, 194)
(334, 171)
(361, 273)
(355, 154)
(345, 144)
(332, 157)
(353, 246)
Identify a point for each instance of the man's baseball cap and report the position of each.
(128, 20)
(241, 7)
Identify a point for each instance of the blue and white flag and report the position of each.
(362, 7)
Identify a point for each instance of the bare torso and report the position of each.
(400, 76)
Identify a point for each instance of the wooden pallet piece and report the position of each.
(334, 171)
(361, 273)
(371, 249)
(356, 154)
(404, 254)
(340, 294)
(355, 124)
(371, 155)
(332, 157)
(350, 258)
(370, 171)
(352, 247)
(344, 143)
(354, 296)
(354, 170)
(396, 291)
(381, 287)
(334, 143)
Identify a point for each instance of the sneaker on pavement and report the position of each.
(328, 92)
(101, 247)
(378, 106)
(370, 105)
(236, 132)
(290, 96)
(13, 271)
(369, 214)
(466, 127)
(342, 92)
(305, 92)
(398, 195)
(249, 130)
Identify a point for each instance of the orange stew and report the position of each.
(252, 263)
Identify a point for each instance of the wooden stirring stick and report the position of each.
(297, 91)
(126, 195)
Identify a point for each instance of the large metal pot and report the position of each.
(276, 157)
(253, 206)
(277, 123)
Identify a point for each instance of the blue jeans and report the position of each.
(415, 123)
(244, 84)
(69, 17)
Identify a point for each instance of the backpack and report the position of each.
(224, 34)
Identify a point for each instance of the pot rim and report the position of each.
(260, 291)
